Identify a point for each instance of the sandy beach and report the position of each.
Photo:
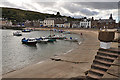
(67, 68)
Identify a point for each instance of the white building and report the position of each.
(85, 23)
(66, 25)
(49, 22)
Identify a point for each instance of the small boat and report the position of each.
(62, 37)
(56, 37)
(17, 33)
(72, 40)
(26, 30)
(66, 32)
(50, 38)
(31, 41)
(42, 40)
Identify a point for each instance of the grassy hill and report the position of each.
(18, 15)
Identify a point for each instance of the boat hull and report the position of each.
(51, 40)
(29, 43)
(42, 41)
(17, 34)
(26, 30)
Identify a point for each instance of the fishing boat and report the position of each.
(26, 30)
(31, 41)
(17, 33)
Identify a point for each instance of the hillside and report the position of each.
(18, 15)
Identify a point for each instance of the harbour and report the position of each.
(59, 40)
(17, 55)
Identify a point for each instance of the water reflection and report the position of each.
(30, 46)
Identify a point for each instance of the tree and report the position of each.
(58, 14)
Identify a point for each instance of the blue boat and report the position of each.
(26, 30)
(31, 41)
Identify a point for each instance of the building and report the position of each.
(66, 24)
(49, 22)
(4, 22)
(75, 24)
(59, 22)
(28, 23)
(85, 23)
(54, 22)
(94, 23)
(34, 23)
(104, 23)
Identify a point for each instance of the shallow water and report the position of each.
(16, 55)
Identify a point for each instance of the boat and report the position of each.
(42, 40)
(17, 33)
(56, 37)
(31, 41)
(66, 32)
(71, 39)
(51, 38)
(26, 30)
(62, 37)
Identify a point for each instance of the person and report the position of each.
(70, 37)
(81, 34)
(23, 39)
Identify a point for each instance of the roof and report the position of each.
(106, 20)
(50, 19)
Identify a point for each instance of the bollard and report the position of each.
(106, 38)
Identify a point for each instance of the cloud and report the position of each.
(73, 8)
(68, 8)
(88, 12)
(99, 5)
(28, 6)
(8, 4)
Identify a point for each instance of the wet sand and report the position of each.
(84, 55)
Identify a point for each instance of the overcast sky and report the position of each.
(73, 8)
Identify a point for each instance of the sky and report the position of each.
(73, 8)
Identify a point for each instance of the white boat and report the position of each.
(30, 41)
(17, 33)
(42, 40)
